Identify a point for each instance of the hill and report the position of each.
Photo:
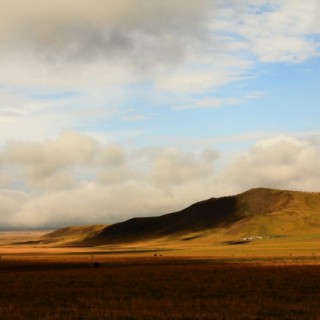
(257, 212)
(71, 234)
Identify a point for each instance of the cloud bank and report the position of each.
(74, 179)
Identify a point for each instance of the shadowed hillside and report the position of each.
(260, 212)
(257, 211)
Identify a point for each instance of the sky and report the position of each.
(117, 109)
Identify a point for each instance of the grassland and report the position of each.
(197, 278)
(157, 288)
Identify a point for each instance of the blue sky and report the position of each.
(137, 108)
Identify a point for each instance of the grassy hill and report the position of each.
(71, 234)
(257, 212)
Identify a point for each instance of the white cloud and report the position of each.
(11, 202)
(94, 203)
(74, 179)
(276, 31)
(209, 68)
(221, 102)
(48, 164)
(280, 162)
(173, 167)
(109, 183)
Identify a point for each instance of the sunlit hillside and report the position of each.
(260, 213)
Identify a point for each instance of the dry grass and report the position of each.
(197, 278)
(9, 237)
(195, 245)
(156, 288)
(71, 234)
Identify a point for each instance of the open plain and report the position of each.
(203, 278)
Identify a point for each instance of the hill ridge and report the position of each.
(260, 211)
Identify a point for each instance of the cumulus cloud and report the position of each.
(49, 164)
(276, 31)
(174, 167)
(280, 162)
(11, 202)
(103, 183)
(95, 203)
(62, 163)
(74, 179)
(81, 30)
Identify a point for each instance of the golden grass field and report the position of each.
(194, 277)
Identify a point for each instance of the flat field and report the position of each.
(135, 283)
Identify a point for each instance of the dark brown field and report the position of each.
(156, 288)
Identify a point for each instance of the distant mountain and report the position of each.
(260, 212)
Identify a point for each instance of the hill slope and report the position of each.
(259, 211)
(71, 234)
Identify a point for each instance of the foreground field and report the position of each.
(202, 278)
(156, 288)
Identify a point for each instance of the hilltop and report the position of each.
(257, 212)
